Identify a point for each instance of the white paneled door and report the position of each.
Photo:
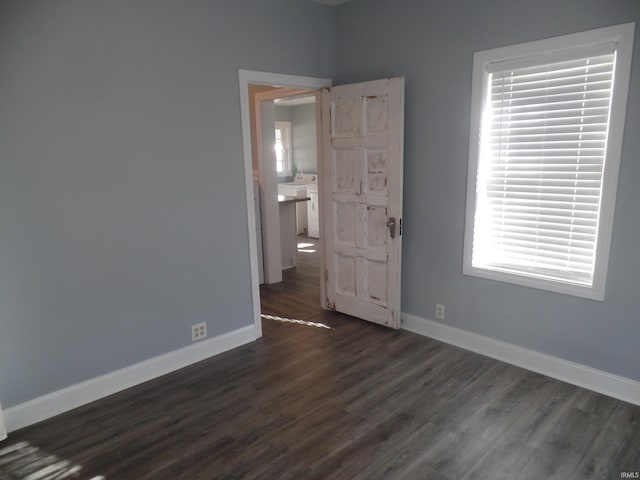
(363, 139)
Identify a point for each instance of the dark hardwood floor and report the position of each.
(336, 398)
(298, 295)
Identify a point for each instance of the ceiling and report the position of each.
(331, 2)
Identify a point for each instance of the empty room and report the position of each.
(463, 304)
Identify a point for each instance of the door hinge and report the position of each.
(399, 227)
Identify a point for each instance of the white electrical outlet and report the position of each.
(198, 331)
(439, 311)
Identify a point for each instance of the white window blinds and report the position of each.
(540, 172)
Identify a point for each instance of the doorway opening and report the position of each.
(288, 142)
(280, 117)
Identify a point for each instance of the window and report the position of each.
(546, 135)
(283, 149)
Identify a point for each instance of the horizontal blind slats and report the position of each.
(540, 172)
(542, 145)
(562, 108)
(575, 120)
(547, 256)
(519, 197)
(580, 181)
(516, 100)
(519, 262)
(550, 85)
(547, 214)
(533, 232)
(579, 226)
(549, 114)
(566, 133)
(523, 165)
(543, 191)
(551, 243)
(604, 56)
(541, 128)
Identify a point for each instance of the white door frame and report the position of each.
(246, 77)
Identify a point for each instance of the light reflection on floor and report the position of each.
(306, 247)
(293, 320)
(25, 462)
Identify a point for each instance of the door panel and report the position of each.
(363, 132)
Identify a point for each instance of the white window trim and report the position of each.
(622, 36)
(286, 127)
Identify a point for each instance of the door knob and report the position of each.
(391, 225)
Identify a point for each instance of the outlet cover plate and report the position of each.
(198, 331)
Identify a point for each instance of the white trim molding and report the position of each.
(68, 398)
(3, 430)
(583, 376)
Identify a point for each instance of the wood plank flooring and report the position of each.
(298, 295)
(353, 401)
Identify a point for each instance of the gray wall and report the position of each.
(283, 114)
(305, 147)
(431, 44)
(122, 206)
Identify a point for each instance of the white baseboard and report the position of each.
(61, 401)
(3, 430)
(590, 378)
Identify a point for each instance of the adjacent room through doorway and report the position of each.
(296, 298)
(284, 147)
